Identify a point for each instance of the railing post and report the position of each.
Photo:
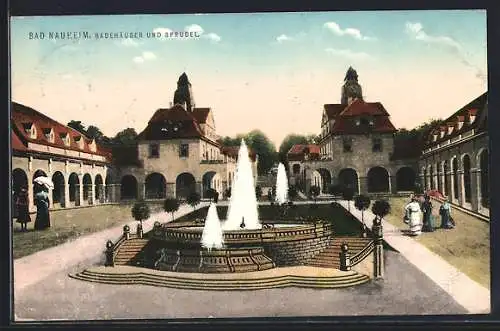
(156, 229)
(126, 232)
(109, 254)
(378, 251)
(345, 263)
(139, 230)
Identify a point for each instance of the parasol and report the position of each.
(44, 181)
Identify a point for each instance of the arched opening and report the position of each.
(99, 189)
(107, 189)
(326, 179)
(348, 177)
(74, 188)
(38, 173)
(484, 166)
(19, 181)
(208, 181)
(405, 179)
(184, 185)
(378, 180)
(446, 169)
(58, 191)
(87, 188)
(316, 179)
(296, 169)
(454, 169)
(467, 178)
(156, 186)
(128, 188)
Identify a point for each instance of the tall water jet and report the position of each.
(212, 236)
(243, 201)
(281, 185)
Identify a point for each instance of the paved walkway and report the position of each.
(468, 293)
(33, 268)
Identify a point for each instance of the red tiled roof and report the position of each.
(201, 114)
(16, 142)
(332, 110)
(360, 107)
(23, 116)
(297, 152)
(345, 125)
(473, 108)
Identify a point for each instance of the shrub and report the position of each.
(211, 193)
(362, 203)
(348, 195)
(381, 208)
(292, 192)
(171, 205)
(141, 211)
(193, 199)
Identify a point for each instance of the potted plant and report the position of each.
(381, 208)
(258, 192)
(171, 205)
(193, 199)
(140, 212)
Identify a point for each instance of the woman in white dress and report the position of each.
(415, 221)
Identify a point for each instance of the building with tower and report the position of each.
(356, 148)
(179, 152)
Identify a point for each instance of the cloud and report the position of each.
(416, 31)
(286, 38)
(283, 38)
(351, 32)
(145, 56)
(213, 37)
(194, 28)
(129, 42)
(348, 54)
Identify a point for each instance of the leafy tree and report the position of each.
(362, 203)
(211, 193)
(77, 125)
(93, 132)
(348, 195)
(314, 192)
(193, 199)
(141, 211)
(381, 208)
(171, 205)
(258, 192)
(292, 192)
(126, 137)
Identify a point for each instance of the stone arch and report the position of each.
(483, 163)
(87, 187)
(326, 179)
(405, 179)
(36, 174)
(128, 188)
(185, 184)
(58, 193)
(99, 189)
(74, 187)
(454, 170)
(19, 181)
(466, 166)
(296, 169)
(316, 179)
(378, 180)
(155, 186)
(349, 177)
(211, 179)
(107, 188)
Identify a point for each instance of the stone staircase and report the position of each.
(330, 257)
(132, 252)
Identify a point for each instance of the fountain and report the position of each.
(212, 236)
(243, 203)
(281, 185)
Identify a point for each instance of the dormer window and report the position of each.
(472, 116)
(441, 133)
(30, 129)
(450, 129)
(49, 134)
(460, 122)
(93, 146)
(358, 122)
(79, 141)
(65, 138)
(434, 137)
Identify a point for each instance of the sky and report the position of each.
(267, 71)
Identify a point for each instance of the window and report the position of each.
(377, 145)
(296, 169)
(347, 145)
(154, 151)
(184, 150)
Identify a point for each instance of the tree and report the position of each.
(171, 205)
(126, 137)
(78, 126)
(348, 195)
(381, 208)
(362, 203)
(211, 193)
(141, 211)
(266, 150)
(292, 192)
(193, 199)
(93, 132)
(258, 192)
(314, 191)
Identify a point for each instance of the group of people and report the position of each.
(41, 199)
(418, 215)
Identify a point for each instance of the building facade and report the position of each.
(79, 168)
(455, 159)
(356, 148)
(179, 152)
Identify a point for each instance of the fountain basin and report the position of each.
(244, 250)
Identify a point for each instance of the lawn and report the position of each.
(343, 223)
(69, 224)
(467, 247)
